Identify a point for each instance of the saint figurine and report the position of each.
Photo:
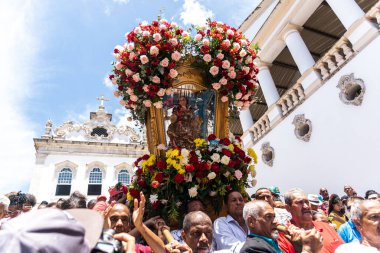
(185, 125)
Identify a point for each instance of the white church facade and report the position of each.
(316, 121)
(87, 157)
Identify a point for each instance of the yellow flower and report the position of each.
(129, 197)
(172, 153)
(177, 166)
(199, 142)
(181, 171)
(231, 147)
(252, 154)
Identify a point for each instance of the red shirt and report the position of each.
(331, 239)
(284, 244)
(142, 248)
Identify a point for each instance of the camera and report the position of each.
(107, 244)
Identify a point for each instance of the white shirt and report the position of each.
(355, 247)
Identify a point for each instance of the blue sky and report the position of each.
(55, 56)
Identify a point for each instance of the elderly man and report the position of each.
(230, 232)
(259, 216)
(367, 220)
(298, 205)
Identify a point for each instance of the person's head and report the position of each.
(298, 206)
(4, 203)
(335, 204)
(59, 203)
(235, 203)
(278, 203)
(351, 201)
(91, 203)
(324, 193)
(76, 200)
(16, 202)
(367, 220)
(30, 202)
(315, 201)
(259, 216)
(318, 216)
(118, 218)
(372, 195)
(194, 205)
(348, 190)
(197, 231)
(182, 101)
(264, 194)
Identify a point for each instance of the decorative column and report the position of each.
(348, 11)
(298, 49)
(267, 84)
(246, 119)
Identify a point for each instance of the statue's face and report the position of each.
(182, 101)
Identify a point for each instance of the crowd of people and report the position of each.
(269, 222)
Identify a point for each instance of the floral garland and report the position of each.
(210, 171)
(145, 67)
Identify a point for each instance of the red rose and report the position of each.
(116, 51)
(226, 152)
(161, 164)
(155, 205)
(190, 168)
(139, 172)
(193, 159)
(228, 188)
(199, 174)
(155, 184)
(111, 77)
(215, 167)
(179, 178)
(225, 141)
(247, 159)
(203, 166)
(145, 157)
(211, 137)
(141, 183)
(134, 193)
(159, 177)
(120, 88)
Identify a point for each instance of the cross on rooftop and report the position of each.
(102, 99)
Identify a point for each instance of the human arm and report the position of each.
(151, 238)
(311, 241)
(128, 242)
(175, 247)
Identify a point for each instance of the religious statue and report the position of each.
(185, 125)
(48, 128)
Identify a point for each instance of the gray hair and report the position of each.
(252, 209)
(355, 205)
(357, 212)
(288, 196)
(190, 217)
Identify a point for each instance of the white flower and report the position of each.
(215, 157)
(158, 104)
(164, 201)
(161, 147)
(184, 161)
(188, 177)
(211, 175)
(185, 152)
(198, 153)
(193, 191)
(178, 204)
(225, 160)
(212, 193)
(153, 198)
(243, 53)
(238, 174)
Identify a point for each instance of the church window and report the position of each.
(99, 131)
(64, 182)
(124, 177)
(95, 182)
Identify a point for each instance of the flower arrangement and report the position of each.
(145, 67)
(208, 172)
(228, 59)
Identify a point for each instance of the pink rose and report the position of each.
(114, 81)
(157, 37)
(226, 43)
(185, 34)
(146, 88)
(129, 91)
(173, 41)
(232, 74)
(176, 56)
(244, 42)
(128, 72)
(198, 37)
(238, 174)
(216, 86)
(226, 64)
(161, 92)
(223, 81)
(158, 104)
(133, 106)
(238, 95)
(144, 59)
(132, 56)
(136, 77)
(137, 30)
(206, 42)
(224, 99)
(156, 79)
(133, 98)
(220, 56)
(146, 33)
(118, 66)
(173, 73)
(236, 46)
(248, 60)
(214, 70)
(173, 24)
(147, 103)
(245, 97)
(230, 32)
(239, 104)
(163, 27)
(246, 69)
(130, 46)
(122, 103)
(243, 53)
(116, 94)
(154, 50)
(165, 62)
(207, 58)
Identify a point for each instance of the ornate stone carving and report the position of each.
(302, 127)
(48, 128)
(267, 154)
(351, 90)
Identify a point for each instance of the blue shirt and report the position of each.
(348, 232)
(228, 234)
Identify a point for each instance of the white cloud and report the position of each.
(107, 82)
(121, 1)
(19, 74)
(194, 13)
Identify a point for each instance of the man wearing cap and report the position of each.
(315, 202)
(298, 205)
(367, 220)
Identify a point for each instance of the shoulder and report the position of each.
(351, 247)
(256, 245)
